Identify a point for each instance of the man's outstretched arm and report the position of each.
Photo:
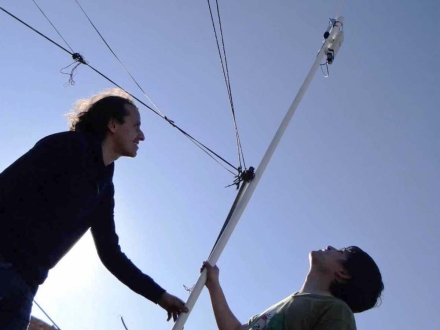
(109, 251)
(224, 317)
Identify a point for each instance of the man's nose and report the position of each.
(141, 136)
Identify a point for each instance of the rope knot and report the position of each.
(78, 60)
(77, 57)
(171, 122)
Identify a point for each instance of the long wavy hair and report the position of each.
(93, 114)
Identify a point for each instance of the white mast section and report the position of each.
(332, 42)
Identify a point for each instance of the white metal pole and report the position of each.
(241, 205)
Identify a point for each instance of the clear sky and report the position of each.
(359, 164)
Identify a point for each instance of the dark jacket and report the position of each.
(50, 197)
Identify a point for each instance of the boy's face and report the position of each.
(329, 261)
(126, 136)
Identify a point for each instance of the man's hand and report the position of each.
(173, 305)
(213, 273)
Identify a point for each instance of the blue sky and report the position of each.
(359, 164)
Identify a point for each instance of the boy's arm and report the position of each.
(224, 317)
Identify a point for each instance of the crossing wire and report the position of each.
(224, 64)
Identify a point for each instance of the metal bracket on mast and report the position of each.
(248, 175)
(245, 176)
(336, 42)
